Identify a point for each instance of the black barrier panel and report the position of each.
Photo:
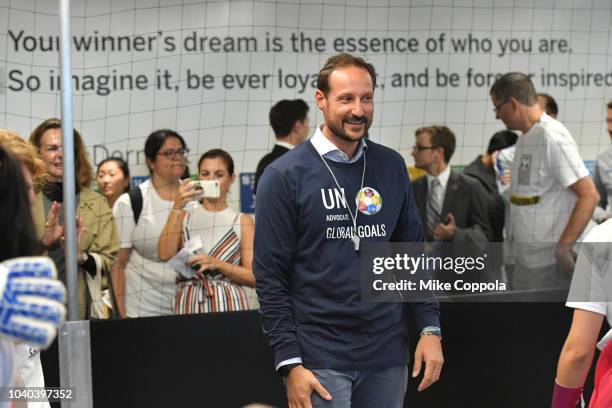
(213, 360)
(501, 355)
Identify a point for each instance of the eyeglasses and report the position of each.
(497, 107)
(421, 148)
(171, 154)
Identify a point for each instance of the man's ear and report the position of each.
(440, 151)
(320, 99)
(296, 126)
(514, 103)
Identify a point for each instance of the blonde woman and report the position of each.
(98, 243)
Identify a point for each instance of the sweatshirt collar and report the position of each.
(330, 151)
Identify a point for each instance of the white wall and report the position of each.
(236, 119)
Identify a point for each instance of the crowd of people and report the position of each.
(174, 245)
(122, 252)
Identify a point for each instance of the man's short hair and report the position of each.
(501, 140)
(441, 136)
(610, 105)
(550, 106)
(515, 85)
(340, 61)
(285, 113)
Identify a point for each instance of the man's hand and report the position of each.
(300, 384)
(445, 232)
(31, 300)
(506, 177)
(429, 350)
(565, 258)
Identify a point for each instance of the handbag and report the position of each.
(101, 304)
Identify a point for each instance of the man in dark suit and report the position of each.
(482, 169)
(453, 206)
(289, 120)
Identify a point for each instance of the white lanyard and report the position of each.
(354, 237)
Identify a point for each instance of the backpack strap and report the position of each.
(136, 201)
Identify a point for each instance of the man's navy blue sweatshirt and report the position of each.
(308, 275)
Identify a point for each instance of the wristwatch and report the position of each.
(432, 331)
(284, 370)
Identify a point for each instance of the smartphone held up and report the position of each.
(206, 189)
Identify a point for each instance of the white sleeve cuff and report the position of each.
(295, 360)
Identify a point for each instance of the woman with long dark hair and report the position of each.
(224, 276)
(27, 356)
(15, 210)
(43, 291)
(144, 285)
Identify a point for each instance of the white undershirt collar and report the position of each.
(330, 151)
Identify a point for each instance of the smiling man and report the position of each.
(316, 205)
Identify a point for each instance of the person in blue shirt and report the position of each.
(333, 348)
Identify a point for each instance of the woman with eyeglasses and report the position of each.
(144, 285)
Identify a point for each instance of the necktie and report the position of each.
(434, 207)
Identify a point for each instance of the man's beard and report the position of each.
(341, 134)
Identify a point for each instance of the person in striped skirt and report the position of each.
(223, 254)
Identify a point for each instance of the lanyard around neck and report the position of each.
(355, 237)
